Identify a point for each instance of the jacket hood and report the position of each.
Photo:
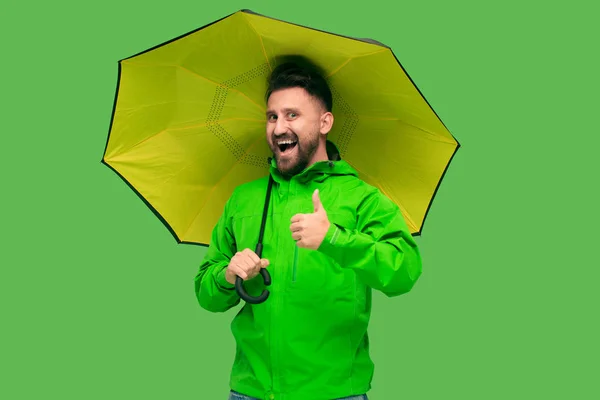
(319, 171)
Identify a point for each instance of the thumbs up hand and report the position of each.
(309, 230)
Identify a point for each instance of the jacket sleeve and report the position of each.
(381, 249)
(213, 291)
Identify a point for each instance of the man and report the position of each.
(329, 239)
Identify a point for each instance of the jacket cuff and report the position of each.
(222, 283)
(332, 244)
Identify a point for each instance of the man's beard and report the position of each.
(304, 151)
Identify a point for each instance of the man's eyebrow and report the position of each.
(286, 110)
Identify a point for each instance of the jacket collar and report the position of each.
(318, 171)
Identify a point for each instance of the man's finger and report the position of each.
(240, 272)
(246, 263)
(252, 255)
(254, 258)
(297, 218)
(296, 226)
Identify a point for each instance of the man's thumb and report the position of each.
(317, 201)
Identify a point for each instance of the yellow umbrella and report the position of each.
(189, 119)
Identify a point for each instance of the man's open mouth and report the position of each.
(285, 146)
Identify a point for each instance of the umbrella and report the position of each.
(188, 123)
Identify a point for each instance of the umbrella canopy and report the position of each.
(189, 119)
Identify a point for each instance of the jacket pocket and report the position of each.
(295, 264)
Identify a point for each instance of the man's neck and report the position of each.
(320, 155)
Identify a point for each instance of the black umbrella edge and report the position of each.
(365, 40)
(458, 145)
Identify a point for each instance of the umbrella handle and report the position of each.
(259, 247)
(245, 296)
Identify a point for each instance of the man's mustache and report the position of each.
(275, 139)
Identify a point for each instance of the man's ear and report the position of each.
(326, 122)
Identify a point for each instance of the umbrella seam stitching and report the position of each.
(180, 129)
(198, 75)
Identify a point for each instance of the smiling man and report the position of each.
(330, 239)
(298, 118)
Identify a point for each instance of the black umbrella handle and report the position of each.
(239, 287)
(245, 296)
(263, 271)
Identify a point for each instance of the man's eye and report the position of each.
(272, 117)
(292, 115)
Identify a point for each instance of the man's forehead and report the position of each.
(291, 99)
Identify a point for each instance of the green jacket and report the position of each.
(308, 340)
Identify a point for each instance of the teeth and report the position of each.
(286, 142)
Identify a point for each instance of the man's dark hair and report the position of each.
(298, 71)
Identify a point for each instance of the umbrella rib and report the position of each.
(213, 122)
(430, 135)
(199, 76)
(380, 187)
(353, 58)
(162, 103)
(221, 85)
(433, 135)
(340, 67)
(217, 184)
(184, 128)
(405, 213)
(262, 44)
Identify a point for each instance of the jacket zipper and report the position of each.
(295, 263)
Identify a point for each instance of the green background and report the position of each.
(97, 297)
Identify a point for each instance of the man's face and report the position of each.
(295, 124)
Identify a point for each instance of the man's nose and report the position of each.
(281, 127)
